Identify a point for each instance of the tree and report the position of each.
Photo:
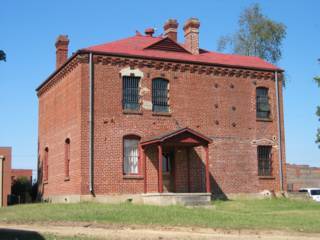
(22, 188)
(257, 36)
(2, 55)
(317, 79)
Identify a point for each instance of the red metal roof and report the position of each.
(138, 46)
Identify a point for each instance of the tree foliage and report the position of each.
(22, 188)
(2, 55)
(257, 36)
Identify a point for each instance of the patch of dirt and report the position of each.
(123, 232)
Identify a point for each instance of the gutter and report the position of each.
(91, 125)
(279, 133)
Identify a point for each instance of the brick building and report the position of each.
(18, 173)
(149, 116)
(302, 176)
(5, 174)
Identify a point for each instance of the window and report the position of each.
(262, 103)
(160, 95)
(264, 160)
(46, 165)
(166, 163)
(131, 154)
(67, 157)
(130, 98)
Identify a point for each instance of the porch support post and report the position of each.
(188, 169)
(144, 170)
(208, 188)
(160, 184)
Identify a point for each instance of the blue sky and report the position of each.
(29, 30)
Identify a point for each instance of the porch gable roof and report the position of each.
(181, 136)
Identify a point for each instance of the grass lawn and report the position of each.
(274, 214)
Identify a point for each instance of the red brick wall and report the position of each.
(59, 119)
(221, 107)
(302, 176)
(6, 188)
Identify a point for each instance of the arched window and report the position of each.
(130, 93)
(67, 158)
(262, 103)
(160, 95)
(131, 154)
(46, 164)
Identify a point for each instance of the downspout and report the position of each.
(1, 180)
(279, 132)
(91, 142)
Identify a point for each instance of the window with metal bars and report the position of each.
(264, 161)
(160, 95)
(262, 103)
(130, 98)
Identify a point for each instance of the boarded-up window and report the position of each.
(130, 98)
(264, 160)
(67, 157)
(262, 103)
(160, 95)
(46, 164)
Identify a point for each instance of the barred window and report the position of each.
(264, 160)
(262, 103)
(130, 98)
(131, 155)
(160, 95)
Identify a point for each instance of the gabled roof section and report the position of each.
(183, 135)
(166, 44)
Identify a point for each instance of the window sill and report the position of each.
(135, 112)
(267, 177)
(165, 114)
(264, 120)
(67, 179)
(132, 177)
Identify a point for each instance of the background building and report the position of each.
(302, 176)
(5, 175)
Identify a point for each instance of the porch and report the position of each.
(181, 161)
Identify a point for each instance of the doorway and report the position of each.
(168, 171)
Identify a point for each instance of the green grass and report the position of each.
(274, 214)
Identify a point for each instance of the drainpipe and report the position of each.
(91, 144)
(279, 132)
(1, 180)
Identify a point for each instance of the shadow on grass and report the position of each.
(15, 234)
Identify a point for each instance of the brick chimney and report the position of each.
(149, 32)
(170, 29)
(191, 35)
(61, 50)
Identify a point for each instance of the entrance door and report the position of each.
(168, 171)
